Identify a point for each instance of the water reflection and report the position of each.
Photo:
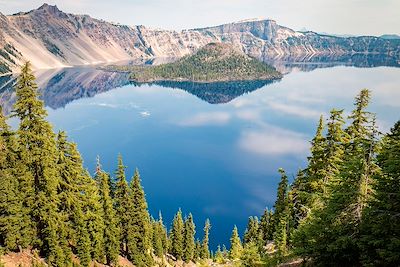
(214, 93)
(62, 86)
(286, 64)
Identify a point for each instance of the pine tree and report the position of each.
(351, 191)
(252, 233)
(188, 242)
(15, 222)
(176, 236)
(94, 218)
(111, 233)
(308, 238)
(205, 251)
(38, 151)
(71, 191)
(250, 256)
(139, 247)
(160, 242)
(123, 206)
(219, 257)
(236, 249)
(197, 250)
(281, 215)
(380, 240)
(266, 227)
(309, 185)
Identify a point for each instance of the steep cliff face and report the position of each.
(50, 38)
(266, 39)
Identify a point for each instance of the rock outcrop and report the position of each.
(50, 38)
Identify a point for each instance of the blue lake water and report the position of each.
(210, 150)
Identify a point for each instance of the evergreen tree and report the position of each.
(308, 239)
(15, 221)
(71, 193)
(197, 249)
(309, 184)
(266, 227)
(140, 229)
(38, 151)
(205, 251)
(252, 233)
(250, 256)
(219, 257)
(176, 236)
(380, 240)
(236, 249)
(158, 237)
(123, 207)
(351, 191)
(189, 243)
(111, 233)
(281, 215)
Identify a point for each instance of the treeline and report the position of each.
(50, 203)
(343, 209)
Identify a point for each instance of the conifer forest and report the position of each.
(342, 209)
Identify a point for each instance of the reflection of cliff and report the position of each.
(309, 63)
(215, 93)
(62, 87)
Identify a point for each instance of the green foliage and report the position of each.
(380, 240)
(205, 250)
(219, 256)
(176, 236)
(123, 207)
(266, 227)
(139, 247)
(188, 242)
(111, 231)
(38, 151)
(236, 249)
(160, 241)
(281, 215)
(214, 62)
(250, 256)
(253, 233)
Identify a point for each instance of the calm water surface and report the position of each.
(210, 150)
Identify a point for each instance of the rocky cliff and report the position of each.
(50, 38)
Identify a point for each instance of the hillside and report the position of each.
(215, 62)
(50, 38)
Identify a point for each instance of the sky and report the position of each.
(357, 17)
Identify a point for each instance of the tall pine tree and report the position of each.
(37, 149)
(380, 240)
(188, 242)
(176, 236)
(111, 231)
(140, 246)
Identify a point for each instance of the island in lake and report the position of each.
(215, 62)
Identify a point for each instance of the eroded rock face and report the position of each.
(50, 38)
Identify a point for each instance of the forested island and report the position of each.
(343, 209)
(215, 62)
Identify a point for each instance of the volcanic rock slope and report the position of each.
(50, 38)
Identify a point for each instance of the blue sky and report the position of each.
(362, 17)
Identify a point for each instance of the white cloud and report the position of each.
(206, 118)
(294, 109)
(274, 141)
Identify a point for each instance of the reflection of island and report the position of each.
(58, 88)
(216, 92)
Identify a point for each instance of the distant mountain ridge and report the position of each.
(50, 38)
